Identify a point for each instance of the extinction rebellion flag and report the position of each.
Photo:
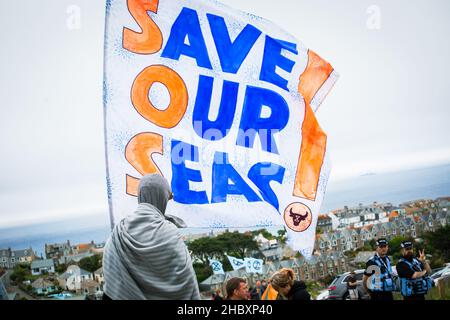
(221, 103)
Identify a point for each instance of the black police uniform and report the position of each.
(404, 271)
(379, 295)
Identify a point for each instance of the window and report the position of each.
(402, 230)
(355, 238)
(13, 260)
(322, 245)
(359, 276)
(334, 243)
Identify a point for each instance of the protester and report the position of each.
(288, 288)
(257, 291)
(378, 279)
(237, 289)
(352, 286)
(414, 282)
(217, 295)
(145, 256)
(263, 285)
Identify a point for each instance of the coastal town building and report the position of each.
(45, 266)
(10, 258)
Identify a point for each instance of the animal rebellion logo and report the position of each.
(216, 266)
(257, 265)
(297, 216)
(237, 263)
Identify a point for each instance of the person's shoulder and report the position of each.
(370, 262)
(401, 263)
(299, 284)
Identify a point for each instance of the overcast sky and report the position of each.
(387, 112)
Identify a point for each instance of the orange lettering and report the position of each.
(314, 140)
(150, 39)
(170, 117)
(139, 153)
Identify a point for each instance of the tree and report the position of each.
(61, 268)
(204, 248)
(281, 235)
(438, 242)
(92, 263)
(20, 273)
(229, 243)
(237, 244)
(266, 234)
(202, 272)
(395, 249)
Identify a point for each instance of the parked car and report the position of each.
(338, 288)
(323, 295)
(442, 273)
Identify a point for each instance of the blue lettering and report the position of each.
(252, 123)
(232, 54)
(221, 172)
(181, 175)
(187, 24)
(203, 105)
(273, 58)
(261, 175)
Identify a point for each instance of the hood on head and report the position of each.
(155, 190)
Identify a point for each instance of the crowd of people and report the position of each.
(281, 286)
(147, 251)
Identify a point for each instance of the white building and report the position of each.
(73, 278)
(39, 267)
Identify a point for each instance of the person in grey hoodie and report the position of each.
(145, 257)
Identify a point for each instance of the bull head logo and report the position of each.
(297, 218)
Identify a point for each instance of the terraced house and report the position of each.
(10, 258)
(399, 224)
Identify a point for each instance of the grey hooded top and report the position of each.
(145, 257)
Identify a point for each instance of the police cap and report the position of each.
(381, 242)
(406, 244)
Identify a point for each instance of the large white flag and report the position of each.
(236, 263)
(221, 103)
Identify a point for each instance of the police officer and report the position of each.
(414, 282)
(378, 280)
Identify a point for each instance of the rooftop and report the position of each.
(47, 263)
